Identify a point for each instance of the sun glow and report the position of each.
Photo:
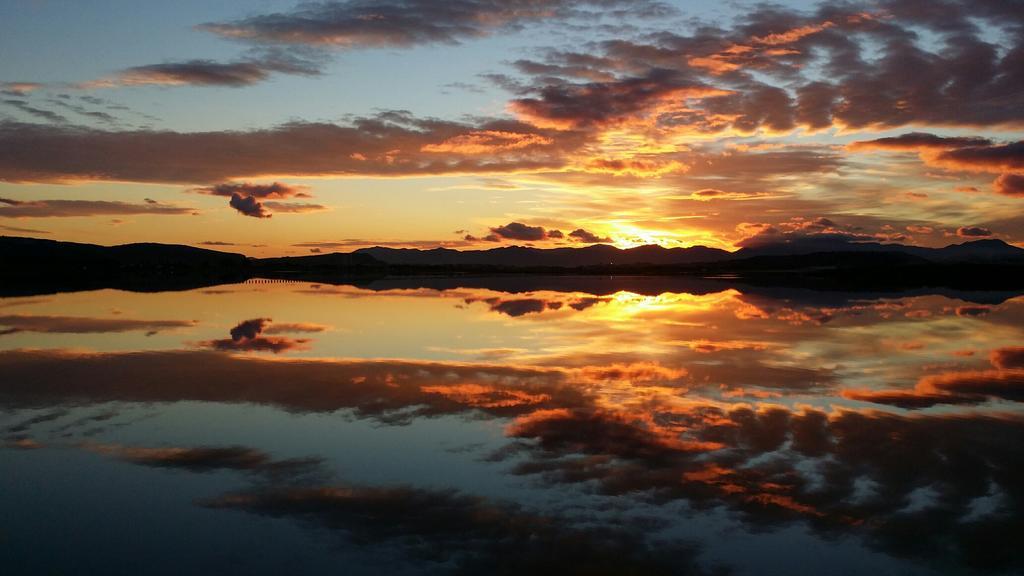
(627, 236)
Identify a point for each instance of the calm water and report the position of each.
(557, 426)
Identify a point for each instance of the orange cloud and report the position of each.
(488, 141)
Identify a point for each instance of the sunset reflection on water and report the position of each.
(422, 430)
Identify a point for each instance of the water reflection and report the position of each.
(472, 429)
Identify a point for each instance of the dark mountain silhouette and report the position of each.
(596, 255)
(325, 262)
(47, 256)
(974, 251)
(30, 265)
(653, 255)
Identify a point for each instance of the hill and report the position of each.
(33, 264)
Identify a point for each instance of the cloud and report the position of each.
(389, 144)
(765, 73)
(1009, 184)
(246, 198)
(248, 336)
(213, 458)
(998, 158)
(1008, 358)
(84, 325)
(818, 233)
(83, 111)
(1004, 381)
(972, 154)
(249, 206)
(520, 231)
(10, 208)
(275, 190)
(451, 531)
(295, 327)
(19, 88)
(407, 23)
(973, 232)
(597, 104)
(527, 233)
(516, 307)
(487, 141)
(919, 140)
(209, 72)
(42, 113)
(979, 385)
(23, 230)
(384, 390)
(586, 237)
(294, 208)
(639, 167)
(720, 460)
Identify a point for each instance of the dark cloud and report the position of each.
(1008, 358)
(520, 231)
(275, 190)
(83, 111)
(980, 385)
(388, 391)
(10, 208)
(910, 399)
(918, 141)
(596, 104)
(820, 233)
(249, 206)
(23, 230)
(211, 73)
(756, 74)
(517, 306)
(527, 233)
(970, 154)
(973, 232)
(998, 158)
(1009, 184)
(452, 532)
(771, 466)
(389, 144)
(1005, 381)
(406, 23)
(714, 457)
(48, 115)
(214, 458)
(247, 198)
(587, 237)
(248, 336)
(84, 325)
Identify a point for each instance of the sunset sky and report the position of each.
(273, 128)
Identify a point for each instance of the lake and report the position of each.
(557, 425)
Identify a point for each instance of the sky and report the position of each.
(275, 128)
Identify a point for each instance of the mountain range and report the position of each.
(31, 262)
(655, 255)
